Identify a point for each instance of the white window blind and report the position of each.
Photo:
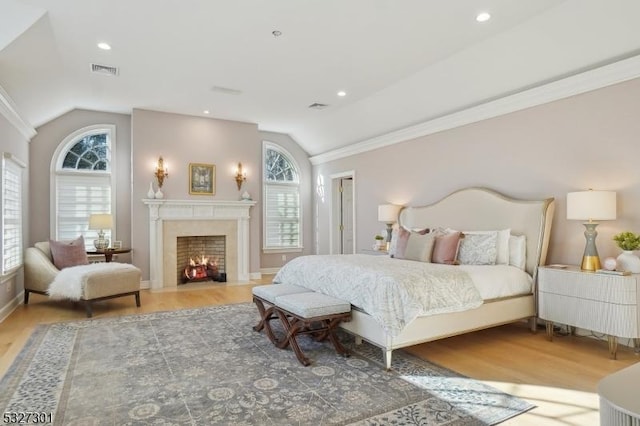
(11, 215)
(78, 196)
(282, 216)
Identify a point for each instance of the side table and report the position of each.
(619, 402)
(108, 253)
(602, 303)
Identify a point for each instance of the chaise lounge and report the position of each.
(107, 281)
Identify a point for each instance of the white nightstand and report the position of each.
(374, 252)
(602, 303)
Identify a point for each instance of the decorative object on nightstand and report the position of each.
(590, 206)
(610, 264)
(628, 242)
(101, 222)
(388, 213)
(380, 243)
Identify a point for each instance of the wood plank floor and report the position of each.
(559, 377)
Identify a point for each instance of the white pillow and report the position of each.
(518, 251)
(502, 244)
(478, 249)
(419, 247)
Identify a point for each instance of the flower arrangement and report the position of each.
(627, 240)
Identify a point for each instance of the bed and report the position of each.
(471, 209)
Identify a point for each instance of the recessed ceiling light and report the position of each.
(483, 17)
(276, 33)
(342, 93)
(104, 46)
(206, 111)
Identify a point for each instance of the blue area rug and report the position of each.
(208, 366)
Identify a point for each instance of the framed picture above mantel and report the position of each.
(202, 179)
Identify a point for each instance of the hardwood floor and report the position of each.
(559, 377)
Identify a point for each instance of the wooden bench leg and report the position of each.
(331, 326)
(87, 306)
(137, 294)
(266, 315)
(292, 328)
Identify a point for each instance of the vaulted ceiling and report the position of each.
(400, 62)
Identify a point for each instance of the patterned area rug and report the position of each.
(207, 366)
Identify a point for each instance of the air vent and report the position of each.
(104, 69)
(226, 90)
(317, 105)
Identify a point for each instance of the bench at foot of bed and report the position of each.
(307, 312)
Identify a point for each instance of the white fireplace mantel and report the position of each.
(161, 210)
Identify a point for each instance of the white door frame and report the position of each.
(334, 207)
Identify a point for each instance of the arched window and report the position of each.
(282, 216)
(83, 183)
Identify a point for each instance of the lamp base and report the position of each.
(101, 243)
(590, 263)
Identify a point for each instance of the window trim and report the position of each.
(6, 156)
(267, 145)
(56, 169)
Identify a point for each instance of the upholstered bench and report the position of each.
(267, 294)
(301, 312)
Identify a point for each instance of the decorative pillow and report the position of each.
(518, 251)
(419, 247)
(478, 249)
(412, 245)
(68, 253)
(445, 249)
(502, 243)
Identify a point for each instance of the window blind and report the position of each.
(11, 215)
(282, 216)
(78, 196)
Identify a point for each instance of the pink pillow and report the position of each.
(68, 253)
(446, 248)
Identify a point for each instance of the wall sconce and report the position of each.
(161, 172)
(241, 176)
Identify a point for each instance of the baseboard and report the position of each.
(11, 306)
(269, 270)
(255, 275)
(145, 285)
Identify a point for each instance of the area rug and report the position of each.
(208, 366)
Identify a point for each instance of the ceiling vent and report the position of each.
(317, 105)
(226, 90)
(104, 69)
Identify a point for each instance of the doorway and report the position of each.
(342, 230)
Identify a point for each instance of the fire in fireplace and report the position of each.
(201, 258)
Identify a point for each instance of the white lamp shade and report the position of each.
(100, 221)
(591, 205)
(388, 213)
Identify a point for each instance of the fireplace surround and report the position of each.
(170, 219)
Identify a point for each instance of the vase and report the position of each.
(151, 192)
(159, 193)
(627, 261)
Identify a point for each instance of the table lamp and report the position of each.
(590, 206)
(388, 213)
(101, 222)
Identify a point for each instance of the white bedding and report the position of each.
(497, 281)
(393, 291)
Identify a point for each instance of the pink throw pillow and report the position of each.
(68, 253)
(446, 248)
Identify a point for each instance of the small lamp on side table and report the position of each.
(591, 205)
(101, 222)
(388, 213)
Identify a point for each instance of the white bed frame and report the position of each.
(468, 209)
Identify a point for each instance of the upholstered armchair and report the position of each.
(105, 281)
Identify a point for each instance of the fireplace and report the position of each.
(170, 219)
(201, 258)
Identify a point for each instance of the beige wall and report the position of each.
(13, 142)
(587, 141)
(41, 151)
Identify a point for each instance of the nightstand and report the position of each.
(373, 252)
(602, 303)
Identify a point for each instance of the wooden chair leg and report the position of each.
(137, 295)
(87, 306)
(26, 296)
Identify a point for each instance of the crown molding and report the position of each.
(607, 75)
(9, 111)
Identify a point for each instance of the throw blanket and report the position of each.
(393, 291)
(69, 282)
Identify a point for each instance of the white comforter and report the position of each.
(393, 291)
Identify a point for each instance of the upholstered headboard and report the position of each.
(481, 209)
